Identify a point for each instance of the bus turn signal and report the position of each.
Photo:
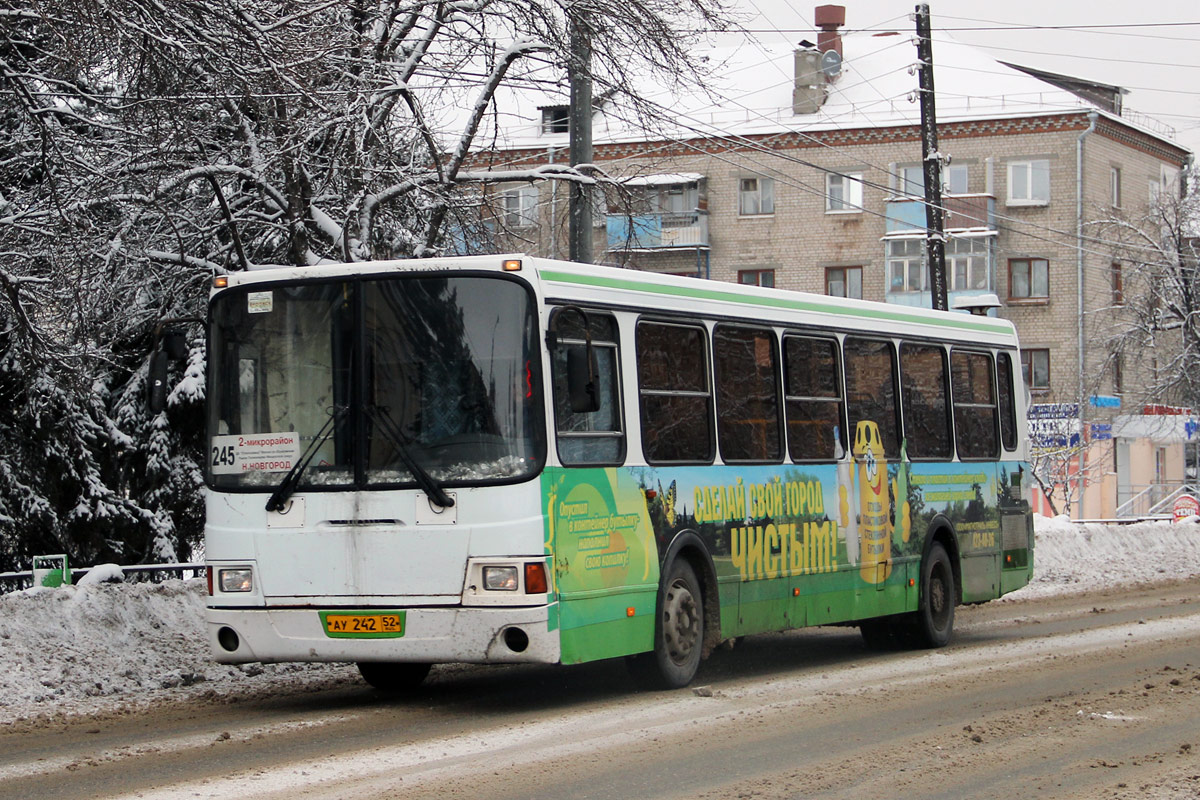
(535, 578)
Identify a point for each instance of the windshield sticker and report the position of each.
(254, 452)
(260, 302)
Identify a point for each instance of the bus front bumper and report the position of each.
(430, 635)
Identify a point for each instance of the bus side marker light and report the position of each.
(500, 579)
(796, 592)
(512, 265)
(220, 281)
(912, 582)
(535, 578)
(629, 611)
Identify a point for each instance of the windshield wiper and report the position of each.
(431, 487)
(288, 485)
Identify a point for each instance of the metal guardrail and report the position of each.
(15, 581)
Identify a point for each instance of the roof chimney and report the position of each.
(829, 19)
(809, 91)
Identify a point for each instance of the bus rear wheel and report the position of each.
(397, 677)
(678, 633)
(934, 621)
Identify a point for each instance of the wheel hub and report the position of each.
(681, 623)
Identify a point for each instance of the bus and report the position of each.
(499, 459)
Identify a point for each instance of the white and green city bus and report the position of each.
(510, 459)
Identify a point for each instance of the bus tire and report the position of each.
(678, 632)
(933, 624)
(397, 677)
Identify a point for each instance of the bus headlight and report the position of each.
(500, 579)
(235, 580)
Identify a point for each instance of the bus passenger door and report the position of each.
(979, 538)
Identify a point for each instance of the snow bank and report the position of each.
(1071, 558)
(98, 647)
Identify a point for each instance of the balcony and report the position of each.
(963, 212)
(660, 231)
(970, 251)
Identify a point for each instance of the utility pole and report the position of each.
(580, 132)
(935, 237)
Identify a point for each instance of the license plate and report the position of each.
(363, 625)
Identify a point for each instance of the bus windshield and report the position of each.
(369, 379)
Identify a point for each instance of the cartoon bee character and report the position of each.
(875, 539)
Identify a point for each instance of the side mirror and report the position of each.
(175, 343)
(581, 379)
(158, 381)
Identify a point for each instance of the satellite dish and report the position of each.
(831, 63)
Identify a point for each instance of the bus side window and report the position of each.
(974, 405)
(926, 408)
(1008, 406)
(746, 368)
(675, 392)
(813, 399)
(596, 437)
(871, 389)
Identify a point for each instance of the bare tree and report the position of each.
(148, 145)
(1150, 333)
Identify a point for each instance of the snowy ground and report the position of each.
(102, 646)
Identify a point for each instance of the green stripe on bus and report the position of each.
(967, 323)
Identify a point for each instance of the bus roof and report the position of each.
(589, 284)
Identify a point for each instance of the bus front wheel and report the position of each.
(934, 622)
(678, 632)
(393, 676)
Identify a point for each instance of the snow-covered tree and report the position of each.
(1150, 333)
(148, 145)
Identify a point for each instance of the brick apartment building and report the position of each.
(808, 177)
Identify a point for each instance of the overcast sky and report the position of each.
(1160, 66)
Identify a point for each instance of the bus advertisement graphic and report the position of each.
(608, 527)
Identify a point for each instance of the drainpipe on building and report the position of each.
(1092, 117)
(553, 207)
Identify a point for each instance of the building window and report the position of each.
(678, 198)
(912, 181)
(519, 206)
(1029, 183)
(843, 192)
(1115, 186)
(1118, 285)
(1028, 278)
(956, 179)
(756, 196)
(1035, 369)
(844, 282)
(555, 119)
(967, 263)
(906, 265)
(1155, 191)
(757, 277)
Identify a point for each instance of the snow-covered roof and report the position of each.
(751, 93)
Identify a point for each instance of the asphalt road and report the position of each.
(1092, 696)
